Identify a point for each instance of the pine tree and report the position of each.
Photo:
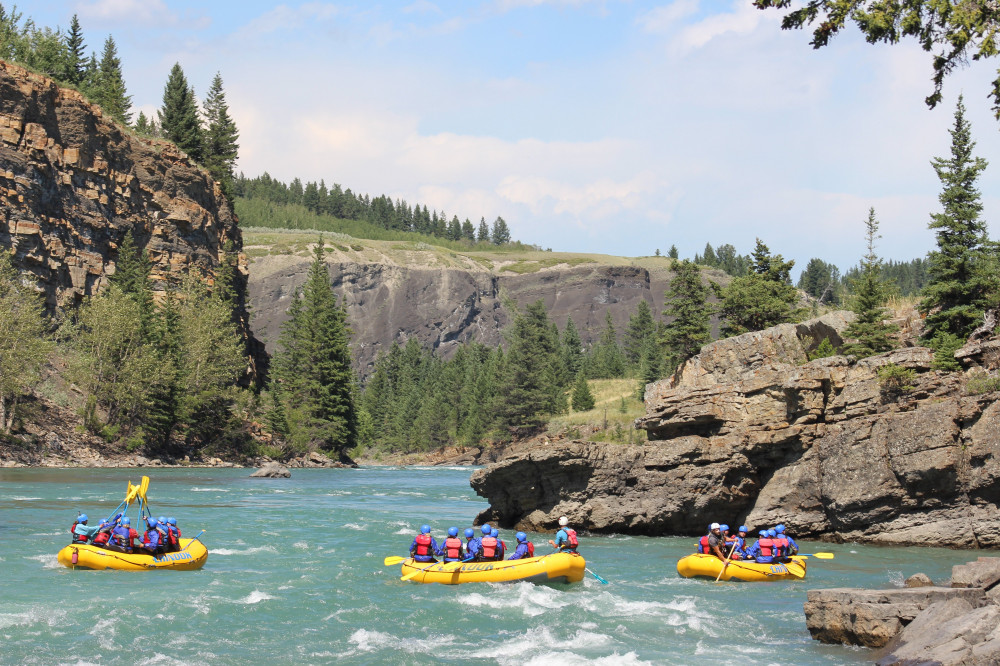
(639, 334)
(687, 304)
(110, 93)
(872, 336)
(572, 348)
(179, 115)
(651, 369)
(529, 385)
(583, 399)
(607, 360)
(221, 147)
(483, 234)
(314, 365)
(763, 298)
(500, 234)
(672, 253)
(468, 231)
(962, 274)
(77, 52)
(132, 271)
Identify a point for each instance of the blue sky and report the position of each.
(590, 126)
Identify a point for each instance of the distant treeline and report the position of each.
(343, 204)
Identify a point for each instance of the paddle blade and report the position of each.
(130, 493)
(143, 487)
(822, 556)
(393, 559)
(598, 577)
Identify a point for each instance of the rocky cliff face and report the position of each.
(444, 307)
(73, 184)
(749, 432)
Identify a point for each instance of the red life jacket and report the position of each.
(489, 548)
(766, 546)
(531, 549)
(174, 535)
(782, 544)
(571, 538)
(453, 548)
(101, 538)
(77, 538)
(424, 545)
(703, 545)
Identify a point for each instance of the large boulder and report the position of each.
(271, 470)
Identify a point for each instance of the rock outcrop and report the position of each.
(272, 470)
(945, 626)
(444, 307)
(750, 432)
(73, 184)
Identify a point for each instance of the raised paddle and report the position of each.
(723, 569)
(822, 556)
(414, 573)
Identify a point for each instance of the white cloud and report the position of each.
(662, 19)
(138, 11)
(284, 17)
(743, 20)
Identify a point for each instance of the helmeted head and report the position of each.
(104, 523)
(171, 521)
(453, 531)
(82, 518)
(771, 533)
(724, 527)
(494, 533)
(780, 529)
(743, 529)
(151, 522)
(425, 529)
(486, 529)
(469, 533)
(762, 534)
(563, 521)
(714, 526)
(162, 520)
(521, 537)
(126, 521)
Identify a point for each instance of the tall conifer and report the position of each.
(690, 312)
(111, 93)
(221, 135)
(871, 334)
(179, 115)
(77, 52)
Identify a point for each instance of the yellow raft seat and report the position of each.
(557, 567)
(192, 555)
(709, 566)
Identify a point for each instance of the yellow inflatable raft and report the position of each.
(709, 566)
(557, 567)
(192, 555)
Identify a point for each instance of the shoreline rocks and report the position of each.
(272, 470)
(945, 626)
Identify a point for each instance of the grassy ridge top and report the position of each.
(294, 243)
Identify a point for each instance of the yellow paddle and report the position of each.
(414, 573)
(721, 571)
(393, 559)
(143, 487)
(822, 556)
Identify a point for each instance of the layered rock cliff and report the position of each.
(443, 306)
(73, 183)
(751, 432)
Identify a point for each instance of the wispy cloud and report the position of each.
(128, 11)
(662, 19)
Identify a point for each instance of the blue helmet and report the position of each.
(494, 532)
(723, 527)
(151, 521)
(771, 533)
(521, 537)
(469, 533)
(779, 529)
(171, 521)
(762, 533)
(743, 528)
(82, 518)
(126, 521)
(424, 529)
(453, 531)
(162, 520)
(486, 529)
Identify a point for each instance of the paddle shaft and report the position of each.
(191, 541)
(822, 556)
(414, 573)
(595, 575)
(721, 571)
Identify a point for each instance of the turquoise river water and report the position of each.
(295, 576)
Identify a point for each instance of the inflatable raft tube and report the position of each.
(558, 567)
(709, 566)
(192, 555)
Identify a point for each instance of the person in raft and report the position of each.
(488, 544)
(472, 545)
(424, 546)
(154, 537)
(82, 533)
(123, 537)
(741, 543)
(173, 535)
(452, 549)
(793, 547)
(524, 547)
(763, 549)
(713, 542)
(501, 546)
(566, 539)
(103, 534)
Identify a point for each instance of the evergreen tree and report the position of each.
(572, 349)
(91, 78)
(77, 52)
(483, 235)
(221, 147)
(500, 234)
(314, 365)
(529, 386)
(871, 334)
(110, 92)
(23, 343)
(468, 231)
(639, 334)
(132, 270)
(651, 369)
(687, 305)
(606, 359)
(709, 256)
(179, 115)
(962, 274)
(583, 399)
(763, 298)
(672, 253)
(821, 281)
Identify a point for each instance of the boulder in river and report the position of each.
(271, 470)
